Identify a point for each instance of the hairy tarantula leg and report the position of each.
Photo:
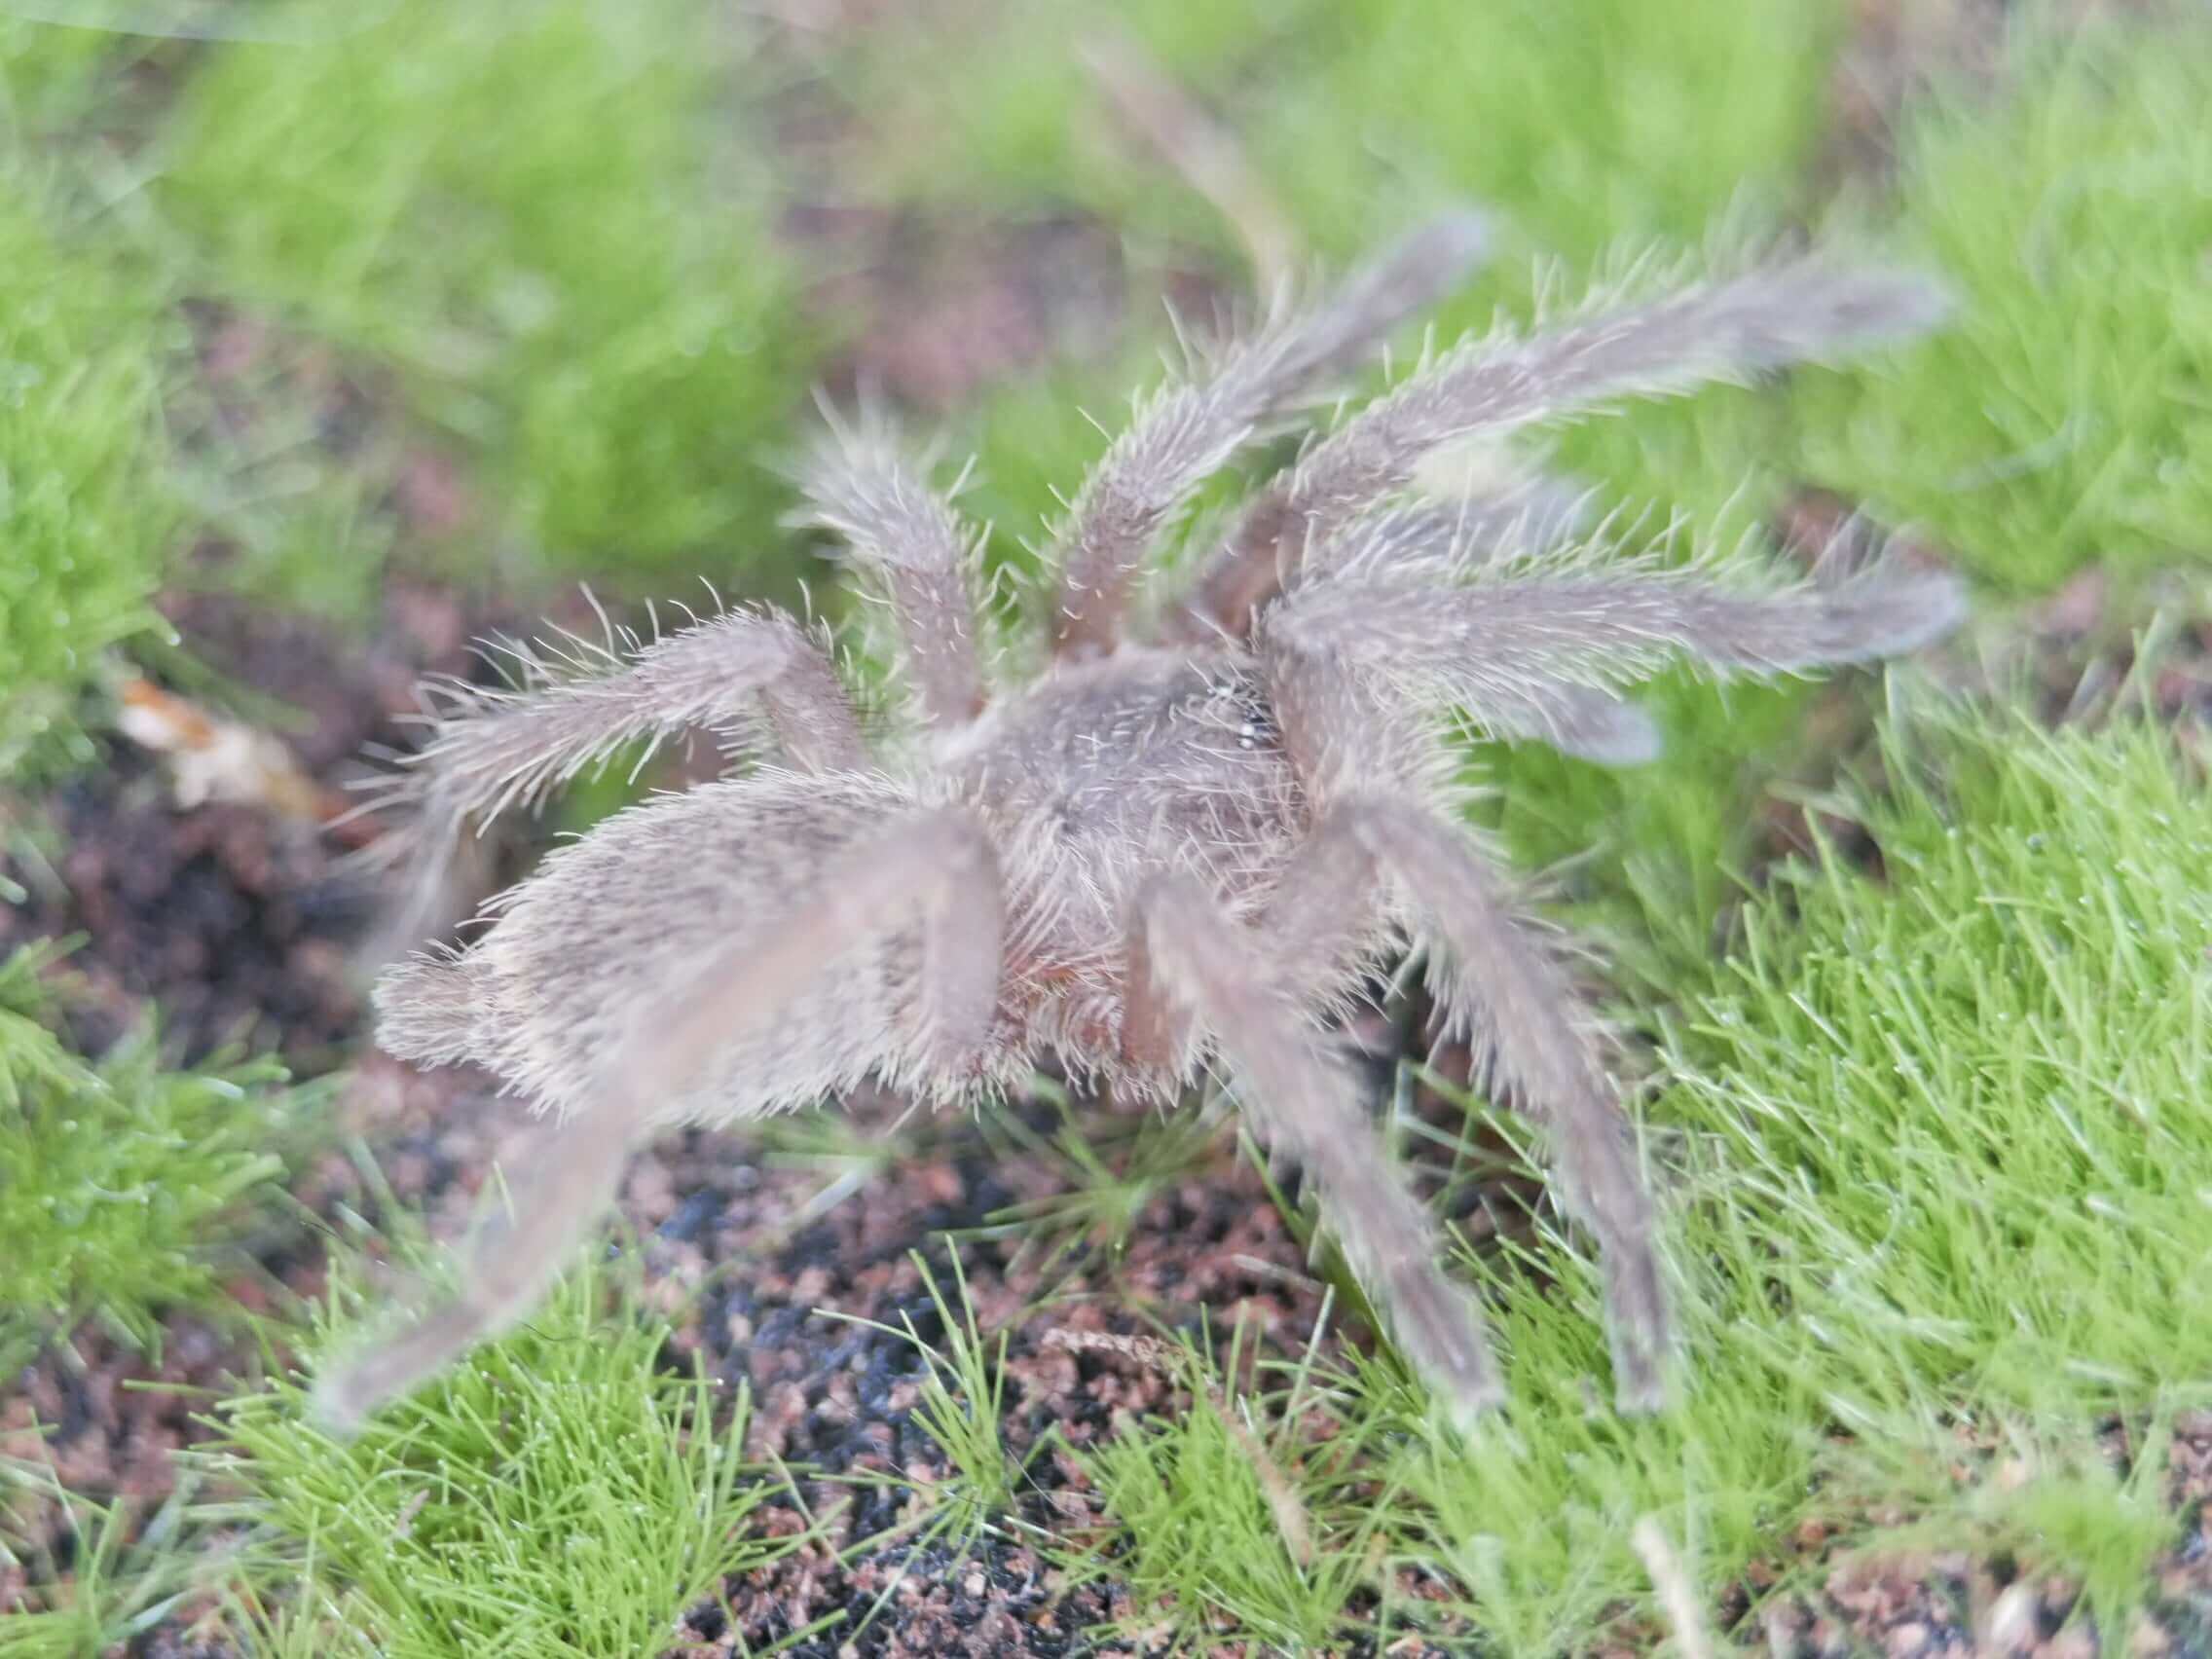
(1304, 1102)
(1534, 514)
(1501, 648)
(1184, 434)
(1586, 722)
(1519, 1005)
(1498, 977)
(1447, 543)
(488, 751)
(866, 491)
(936, 866)
(1157, 1023)
(1315, 922)
(1806, 312)
(430, 1008)
(1317, 917)
(1322, 908)
(556, 1196)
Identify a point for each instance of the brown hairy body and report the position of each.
(1155, 856)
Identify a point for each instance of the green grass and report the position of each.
(2067, 417)
(122, 1570)
(51, 79)
(1111, 1175)
(1363, 118)
(538, 237)
(1943, 1151)
(84, 523)
(1989, 1071)
(1587, 121)
(1584, 124)
(551, 222)
(562, 1492)
(961, 1400)
(126, 1190)
(1585, 128)
(1216, 1536)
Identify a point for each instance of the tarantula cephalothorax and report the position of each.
(1158, 850)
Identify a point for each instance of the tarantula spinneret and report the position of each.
(1168, 848)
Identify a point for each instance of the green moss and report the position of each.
(2067, 417)
(559, 1492)
(1586, 121)
(85, 520)
(125, 1189)
(549, 220)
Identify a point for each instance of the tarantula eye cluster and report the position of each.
(1185, 843)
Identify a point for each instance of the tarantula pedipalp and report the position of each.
(1153, 854)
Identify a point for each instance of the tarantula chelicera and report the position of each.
(1170, 847)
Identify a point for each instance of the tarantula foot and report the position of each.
(1439, 1330)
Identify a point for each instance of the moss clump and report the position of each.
(546, 219)
(2066, 418)
(125, 1189)
(561, 1492)
(84, 517)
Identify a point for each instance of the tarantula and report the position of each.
(1157, 852)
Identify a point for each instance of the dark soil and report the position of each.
(236, 919)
